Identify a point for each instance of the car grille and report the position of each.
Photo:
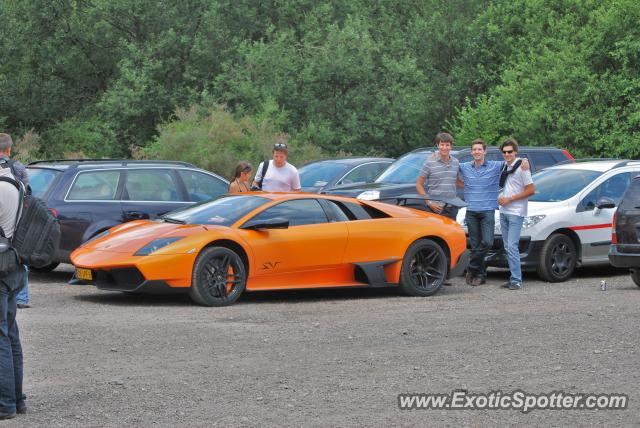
(120, 279)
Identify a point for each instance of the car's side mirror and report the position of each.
(269, 223)
(605, 202)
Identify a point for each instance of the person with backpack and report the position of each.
(12, 400)
(19, 172)
(277, 175)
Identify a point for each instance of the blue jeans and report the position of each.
(511, 226)
(480, 225)
(11, 396)
(23, 296)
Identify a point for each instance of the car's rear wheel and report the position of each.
(424, 268)
(558, 258)
(635, 275)
(219, 277)
(46, 268)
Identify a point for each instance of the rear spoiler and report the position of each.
(403, 199)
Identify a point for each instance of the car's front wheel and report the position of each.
(219, 277)
(558, 258)
(635, 275)
(424, 268)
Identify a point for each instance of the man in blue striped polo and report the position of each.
(439, 172)
(481, 181)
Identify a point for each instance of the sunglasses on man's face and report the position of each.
(507, 152)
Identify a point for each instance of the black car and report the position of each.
(624, 251)
(90, 196)
(400, 178)
(323, 174)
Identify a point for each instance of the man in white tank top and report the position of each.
(281, 176)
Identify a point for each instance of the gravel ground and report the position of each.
(326, 358)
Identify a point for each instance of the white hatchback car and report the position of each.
(569, 219)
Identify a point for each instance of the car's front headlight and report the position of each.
(369, 195)
(532, 220)
(155, 245)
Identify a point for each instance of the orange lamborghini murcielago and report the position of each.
(217, 249)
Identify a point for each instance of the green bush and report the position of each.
(214, 139)
(77, 137)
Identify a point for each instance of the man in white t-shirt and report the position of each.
(281, 176)
(518, 186)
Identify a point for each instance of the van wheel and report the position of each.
(558, 258)
(635, 275)
(424, 268)
(45, 268)
(219, 277)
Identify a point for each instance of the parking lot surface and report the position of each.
(326, 357)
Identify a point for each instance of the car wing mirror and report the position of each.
(605, 202)
(269, 223)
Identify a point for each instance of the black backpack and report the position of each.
(265, 166)
(36, 237)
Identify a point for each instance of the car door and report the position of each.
(91, 205)
(306, 254)
(149, 193)
(593, 225)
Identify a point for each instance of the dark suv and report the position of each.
(624, 251)
(400, 178)
(90, 196)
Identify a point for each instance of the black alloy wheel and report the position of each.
(424, 268)
(558, 258)
(219, 277)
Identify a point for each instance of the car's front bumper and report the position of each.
(126, 279)
(529, 253)
(625, 256)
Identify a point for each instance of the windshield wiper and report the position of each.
(173, 220)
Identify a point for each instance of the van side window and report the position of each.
(95, 186)
(613, 188)
(151, 185)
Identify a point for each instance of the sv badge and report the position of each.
(269, 265)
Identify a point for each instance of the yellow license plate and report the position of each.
(84, 274)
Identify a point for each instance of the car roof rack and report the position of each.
(123, 162)
(626, 162)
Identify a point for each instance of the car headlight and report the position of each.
(532, 220)
(155, 245)
(369, 195)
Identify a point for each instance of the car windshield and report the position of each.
(558, 184)
(40, 180)
(318, 174)
(223, 210)
(403, 171)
